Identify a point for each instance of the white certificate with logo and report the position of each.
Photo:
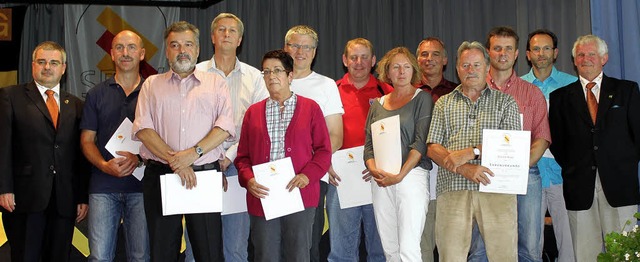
(121, 141)
(385, 135)
(206, 197)
(276, 175)
(353, 191)
(506, 154)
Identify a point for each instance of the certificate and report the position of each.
(234, 200)
(506, 154)
(385, 135)
(353, 191)
(276, 175)
(121, 141)
(206, 197)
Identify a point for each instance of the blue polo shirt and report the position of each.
(105, 108)
(550, 171)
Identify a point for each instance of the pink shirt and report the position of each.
(184, 111)
(531, 103)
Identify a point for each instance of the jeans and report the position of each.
(235, 233)
(529, 221)
(106, 210)
(344, 230)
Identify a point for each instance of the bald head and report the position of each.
(127, 50)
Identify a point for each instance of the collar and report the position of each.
(597, 80)
(507, 84)
(211, 66)
(42, 89)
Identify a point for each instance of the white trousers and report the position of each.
(400, 211)
(588, 227)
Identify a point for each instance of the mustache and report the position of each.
(183, 55)
(126, 58)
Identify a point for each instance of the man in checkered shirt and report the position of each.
(454, 143)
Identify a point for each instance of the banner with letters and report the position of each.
(89, 30)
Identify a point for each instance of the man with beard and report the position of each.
(502, 43)
(114, 194)
(182, 118)
(542, 51)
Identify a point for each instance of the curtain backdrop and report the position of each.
(617, 23)
(386, 23)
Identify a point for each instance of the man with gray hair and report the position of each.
(595, 125)
(182, 118)
(301, 42)
(246, 87)
(455, 144)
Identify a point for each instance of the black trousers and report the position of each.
(318, 224)
(165, 232)
(39, 236)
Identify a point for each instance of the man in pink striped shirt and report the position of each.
(182, 118)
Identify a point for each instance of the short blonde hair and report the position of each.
(383, 66)
(214, 23)
(302, 30)
(358, 41)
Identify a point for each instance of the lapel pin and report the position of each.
(67, 101)
(610, 96)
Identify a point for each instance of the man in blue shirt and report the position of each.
(114, 194)
(542, 51)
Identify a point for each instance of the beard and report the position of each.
(183, 66)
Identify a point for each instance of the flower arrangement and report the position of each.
(624, 246)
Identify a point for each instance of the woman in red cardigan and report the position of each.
(283, 125)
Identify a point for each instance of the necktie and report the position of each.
(592, 103)
(52, 106)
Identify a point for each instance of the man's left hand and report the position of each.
(82, 211)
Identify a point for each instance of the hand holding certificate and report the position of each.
(206, 197)
(276, 176)
(506, 154)
(121, 141)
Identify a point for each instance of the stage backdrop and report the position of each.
(90, 30)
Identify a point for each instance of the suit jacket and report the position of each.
(35, 158)
(611, 146)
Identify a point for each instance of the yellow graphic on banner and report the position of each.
(114, 24)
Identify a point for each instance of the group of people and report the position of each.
(226, 115)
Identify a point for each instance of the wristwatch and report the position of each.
(199, 150)
(476, 152)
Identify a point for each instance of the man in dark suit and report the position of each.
(595, 127)
(42, 172)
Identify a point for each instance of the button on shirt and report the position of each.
(531, 104)
(184, 111)
(246, 87)
(277, 124)
(457, 123)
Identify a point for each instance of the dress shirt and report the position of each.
(277, 124)
(595, 89)
(531, 104)
(444, 87)
(183, 111)
(56, 93)
(246, 87)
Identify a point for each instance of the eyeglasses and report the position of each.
(276, 71)
(305, 48)
(52, 63)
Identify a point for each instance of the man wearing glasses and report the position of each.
(301, 42)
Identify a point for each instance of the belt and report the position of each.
(209, 166)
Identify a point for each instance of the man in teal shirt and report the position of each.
(542, 51)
